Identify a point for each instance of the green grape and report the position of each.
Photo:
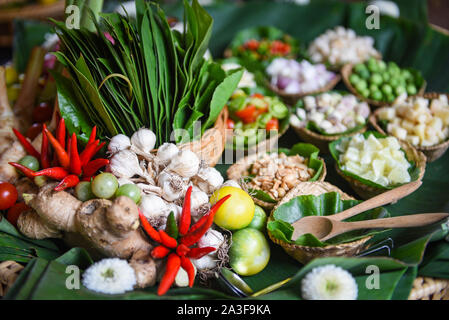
(131, 191)
(104, 185)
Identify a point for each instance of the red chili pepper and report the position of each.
(184, 223)
(88, 179)
(60, 133)
(93, 166)
(92, 136)
(182, 250)
(273, 124)
(98, 148)
(68, 182)
(62, 155)
(26, 144)
(187, 265)
(167, 241)
(88, 152)
(152, 233)
(56, 173)
(160, 252)
(171, 270)
(196, 232)
(25, 170)
(45, 156)
(75, 163)
(197, 253)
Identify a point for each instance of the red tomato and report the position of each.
(34, 130)
(258, 95)
(248, 115)
(8, 195)
(273, 124)
(230, 124)
(252, 45)
(15, 211)
(42, 112)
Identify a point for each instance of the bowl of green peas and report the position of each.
(379, 83)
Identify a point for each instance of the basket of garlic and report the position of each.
(267, 177)
(339, 46)
(373, 163)
(164, 176)
(323, 118)
(422, 121)
(313, 196)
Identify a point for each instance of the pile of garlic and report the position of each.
(378, 160)
(420, 121)
(163, 177)
(331, 112)
(339, 46)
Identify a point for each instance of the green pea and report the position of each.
(30, 162)
(83, 191)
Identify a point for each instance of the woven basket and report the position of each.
(211, 145)
(305, 254)
(9, 271)
(366, 192)
(346, 72)
(238, 169)
(425, 288)
(432, 153)
(322, 141)
(291, 99)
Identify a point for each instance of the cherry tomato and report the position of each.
(8, 195)
(42, 112)
(15, 211)
(273, 124)
(230, 124)
(34, 130)
(248, 115)
(252, 44)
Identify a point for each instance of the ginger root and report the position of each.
(108, 227)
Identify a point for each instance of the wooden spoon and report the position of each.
(327, 228)
(307, 224)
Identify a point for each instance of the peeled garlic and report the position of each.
(125, 164)
(118, 143)
(185, 163)
(208, 179)
(165, 153)
(144, 140)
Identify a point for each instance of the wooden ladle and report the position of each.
(327, 228)
(310, 224)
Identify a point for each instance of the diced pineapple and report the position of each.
(383, 181)
(407, 125)
(392, 143)
(399, 132)
(366, 156)
(444, 115)
(399, 175)
(373, 143)
(414, 140)
(352, 167)
(387, 114)
(351, 154)
(378, 168)
(420, 131)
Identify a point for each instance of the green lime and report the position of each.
(259, 221)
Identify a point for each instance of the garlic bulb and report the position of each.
(118, 143)
(206, 262)
(165, 153)
(185, 163)
(212, 238)
(198, 198)
(153, 207)
(231, 183)
(144, 140)
(125, 164)
(208, 179)
(173, 186)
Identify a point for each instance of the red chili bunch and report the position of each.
(68, 165)
(181, 249)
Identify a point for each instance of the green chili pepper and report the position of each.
(172, 227)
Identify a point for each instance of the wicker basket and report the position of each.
(366, 192)
(322, 141)
(211, 145)
(238, 169)
(9, 271)
(432, 153)
(305, 254)
(346, 72)
(291, 99)
(425, 288)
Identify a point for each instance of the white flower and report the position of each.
(111, 276)
(329, 282)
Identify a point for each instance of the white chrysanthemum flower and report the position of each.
(111, 276)
(329, 282)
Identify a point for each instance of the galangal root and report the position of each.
(110, 228)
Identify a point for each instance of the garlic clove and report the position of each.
(143, 140)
